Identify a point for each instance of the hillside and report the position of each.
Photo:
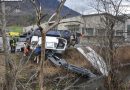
(25, 10)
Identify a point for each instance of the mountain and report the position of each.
(23, 12)
(49, 6)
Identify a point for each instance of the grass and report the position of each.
(15, 29)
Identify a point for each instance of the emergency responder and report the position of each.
(13, 45)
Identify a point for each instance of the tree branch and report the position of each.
(56, 15)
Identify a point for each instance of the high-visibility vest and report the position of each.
(13, 43)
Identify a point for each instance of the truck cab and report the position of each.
(54, 41)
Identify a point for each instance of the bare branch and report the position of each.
(38, 11)
(51, 17)
(56, 15)
(71, 85)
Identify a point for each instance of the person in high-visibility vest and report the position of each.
(13, 45)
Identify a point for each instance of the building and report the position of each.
(93, 26)
(127, 28)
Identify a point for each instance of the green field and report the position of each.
(15, 29)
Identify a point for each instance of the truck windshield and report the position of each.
(22, 39)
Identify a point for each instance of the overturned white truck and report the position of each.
(55, 40)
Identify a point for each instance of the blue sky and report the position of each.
(86, 6)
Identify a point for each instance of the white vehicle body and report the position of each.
(52, 43)
(20, 44)
(95, 59)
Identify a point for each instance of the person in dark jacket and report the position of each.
(37, 53)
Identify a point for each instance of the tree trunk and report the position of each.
(41, 75)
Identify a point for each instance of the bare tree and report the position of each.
(12, 70)
(110, 19)
(9, 78)
(56, 17)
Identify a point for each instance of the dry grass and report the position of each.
(123, 54)
(2, 68)
(72, 56)
(50, 69)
